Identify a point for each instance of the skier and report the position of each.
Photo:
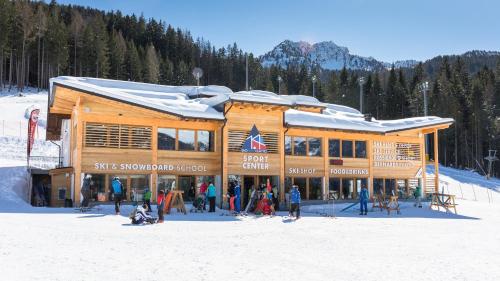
(203, 190)
(117, 191)
(139, 216)
(211, 197)
(363, 200)
(86, 190)
(230, 195)
(295, 201)
(237, 198)
(147, 199)
(160, 205)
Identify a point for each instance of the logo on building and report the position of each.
(254, 142)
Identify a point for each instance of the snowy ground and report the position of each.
(419, 244)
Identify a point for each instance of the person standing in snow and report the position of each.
(117, 191)
(418, 196)
(295, 201)
(86, 190)
(160, 205)
(203, 190)
(211, 197)
(363, 200)
(230, 195)
(147, 199)
(237, 198)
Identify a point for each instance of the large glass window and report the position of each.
(334, 148)
(334, 188)
(347, 149)
(347, 188)
(299, 146)
(378, 186)
(315, 189)
(205, 141)
(166, 139)
(301, 182)
(166, 183)
(186, 140)
(314, 146)
(360, 183)
(138, 186)
(187, 185)
(97, 187)
(360, 149)
(390, 185)
(288, 145)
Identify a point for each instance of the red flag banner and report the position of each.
(32, 124)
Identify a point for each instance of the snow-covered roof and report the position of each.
(169, 99)
(348, 119)
(204, 102)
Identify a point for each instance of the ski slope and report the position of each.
(419, 244)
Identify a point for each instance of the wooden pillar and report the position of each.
(281, 148)
(369, 154)
(326, 158)
(224, 152)
(154, 161)
(422, 155)
(436, 162)
(78, 150)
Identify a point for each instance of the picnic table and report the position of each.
(447, 201)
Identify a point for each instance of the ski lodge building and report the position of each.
(157, 137)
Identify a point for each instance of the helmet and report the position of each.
(88, 176)
(116, 178)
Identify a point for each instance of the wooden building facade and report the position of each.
(152, 146)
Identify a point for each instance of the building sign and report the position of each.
(349, 171)
(255, 162)
(395, 154)
(301, 171)
(254, 142)
(150, 167)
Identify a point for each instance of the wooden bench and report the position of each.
(447, 201)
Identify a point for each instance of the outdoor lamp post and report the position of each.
(313, 78)
(361, 81)
(424, 87)
(279, 84)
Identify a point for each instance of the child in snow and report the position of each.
(147, 199)
(160, 201)
(211, 197)
(139, 216)
(363, 200)
(117, 191)
(295, 201)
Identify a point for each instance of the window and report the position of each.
(165, 183)
(166, 139)
(347, 188)
(360, 183)
(117, 136)
(205, 141)
(97, 188)
(360, 149)
(61, 193)
(378, 186)
(288, 145)
(314, 146)
(187, 185)
(334, 188)
(138, 185)
(347, 149)
(299, 146)
(390, 185)
(301, 183)
(186, 140)
(315, 189)
(333, 148)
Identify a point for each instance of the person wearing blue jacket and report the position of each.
(117, 192)
(237, 199)
(295, 201)
(363, 200)
(211, 197)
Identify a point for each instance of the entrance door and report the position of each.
(186, 184)
(248, 183)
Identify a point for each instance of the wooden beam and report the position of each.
(436, 161)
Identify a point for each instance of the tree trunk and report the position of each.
(23, 62)
(38, 66)
(1, 69)
(10, 69)
(456, 147)
(41, 70)
(74, 61)
(27, 80)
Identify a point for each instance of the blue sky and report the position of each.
(387, 30)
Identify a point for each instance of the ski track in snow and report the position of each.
(420, 244)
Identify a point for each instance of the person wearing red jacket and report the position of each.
(203, 190)
(160, 202)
